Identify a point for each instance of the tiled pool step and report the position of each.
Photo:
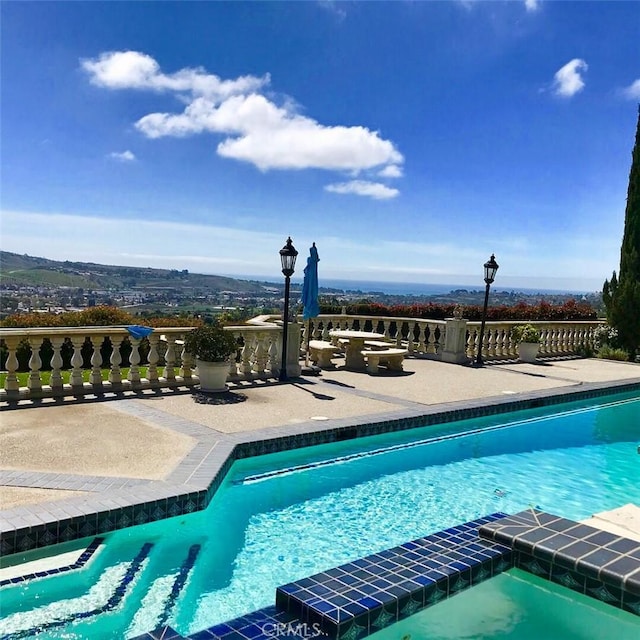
(361, 597)
(596, 563)
(82, 559)
(112, 602)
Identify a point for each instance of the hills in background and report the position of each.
(24, 271)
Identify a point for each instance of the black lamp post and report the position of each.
(288, 255)
(490, 269)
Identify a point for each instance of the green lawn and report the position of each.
(45, 376)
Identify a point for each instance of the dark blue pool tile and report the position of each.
(631, 602)
(602, 538)
(624, 545)
(529, 563)
(569, 579)
(632, 583)
(552, 544)
(606, 593)
(616, 571)
(409, 605)
(205, 634)
(599, 558)
(381, 617)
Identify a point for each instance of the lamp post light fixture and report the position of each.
(490, 269)
(288, 255)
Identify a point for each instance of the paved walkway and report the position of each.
(69, 449)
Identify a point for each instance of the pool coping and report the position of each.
(192, 485)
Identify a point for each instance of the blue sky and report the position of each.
(409, 140)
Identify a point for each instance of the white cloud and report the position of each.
(374, 190)
(391, 171)
(257, 130)
(567, 80)
(633, 90)
(135, 70)
(124, 156)
(532, 5)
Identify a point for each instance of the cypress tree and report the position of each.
(621, 294)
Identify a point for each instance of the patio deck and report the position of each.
(65, 458)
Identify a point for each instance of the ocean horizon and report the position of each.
(411, 288)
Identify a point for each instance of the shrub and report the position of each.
(609, 353)
(606, 335)
(570, 310)
(525, 333)
(210, 343)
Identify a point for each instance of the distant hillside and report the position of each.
(24, 270)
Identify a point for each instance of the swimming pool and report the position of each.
(282, 517)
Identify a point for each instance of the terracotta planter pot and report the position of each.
(213, 375)
(527, 351)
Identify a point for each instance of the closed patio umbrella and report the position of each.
(310, 306)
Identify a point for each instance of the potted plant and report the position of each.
(212, 347)
(527, 338)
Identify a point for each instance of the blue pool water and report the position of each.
(281, 517)
(516, 606)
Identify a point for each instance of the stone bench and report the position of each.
(379, 344)
(391, 357)
(321, 353)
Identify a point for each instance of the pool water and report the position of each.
(516, 606)
(281, 517)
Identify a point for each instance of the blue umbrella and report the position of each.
(310, 306)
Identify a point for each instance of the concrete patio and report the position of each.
(56, 450)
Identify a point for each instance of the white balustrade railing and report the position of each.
(420, 337)
(89, 351)
(562, 338)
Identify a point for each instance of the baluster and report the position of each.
(490, 343)
(504, 342)
(75, 378)
(187, 363)
(34, 383)
(513, 346)
(559, 340)
(497, 342)
(11, 383)
(170, 359)
(385, 328)
(546, 337)
(56, 363)
(153, 358)
(273, 353)
(437, 338)
(429, 339)
(551, 341)
(422, 335)
(247, 355)
(260, 360)
(325, 329)
(134, 362)
(399, 327)
(411, 336)
(95, 378)
(233, 365)
(470, 343)
(115, 374)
